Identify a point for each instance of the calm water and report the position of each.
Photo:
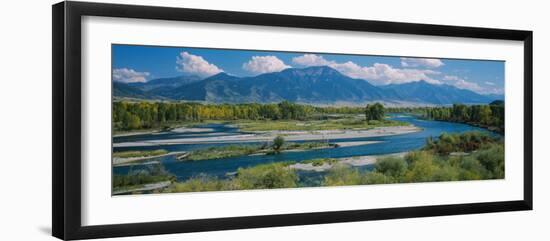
(221, 167)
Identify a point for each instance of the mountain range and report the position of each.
(313, 85)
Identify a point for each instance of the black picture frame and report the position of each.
(66, 158)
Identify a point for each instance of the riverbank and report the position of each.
(143, 188)
(327, 164)
(135, 133)
(179, 127)
(125, 161)
(266, 136)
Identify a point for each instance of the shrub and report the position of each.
(493, 161)
(200, 184)
(471, 169)
(421, 170)
(391, 166)
(415, 156)
(446, 173)
(342, 175)
(465, 142)
(138, 179)
(376, 178)
(151, 174)
(274, 175)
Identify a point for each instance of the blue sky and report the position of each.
(143, 63)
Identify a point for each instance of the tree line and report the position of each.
(490, 116)
(143, 115)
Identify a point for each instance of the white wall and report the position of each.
(25, 97)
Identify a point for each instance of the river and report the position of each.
(220, 168)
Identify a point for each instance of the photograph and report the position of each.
(192, 119)
(268, 121)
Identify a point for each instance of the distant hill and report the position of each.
(424, 92)
(314, 85)
(166, 83)
(309, 85)
(128, 91)
(496, 97)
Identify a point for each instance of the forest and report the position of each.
(144, 115)
(129, 116)
(489, 116)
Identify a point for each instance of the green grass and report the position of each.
(314, 125)
(223, 152)
(130, 154)
(304, 145)
(229, 151)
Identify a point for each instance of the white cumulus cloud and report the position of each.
(494, 90)
(264, 64)
(384, 74)
(380, 74)
(311, 60)
(194, 64)
(464, 84)
(125, 75)
(421, 62)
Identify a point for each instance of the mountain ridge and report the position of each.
(170, 82)
(318, 84)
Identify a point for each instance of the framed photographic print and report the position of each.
(170, 120)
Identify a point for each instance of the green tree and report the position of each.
(278, 142)
(391, 166)
(485, 114)
(134, 122)
(374, 112)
